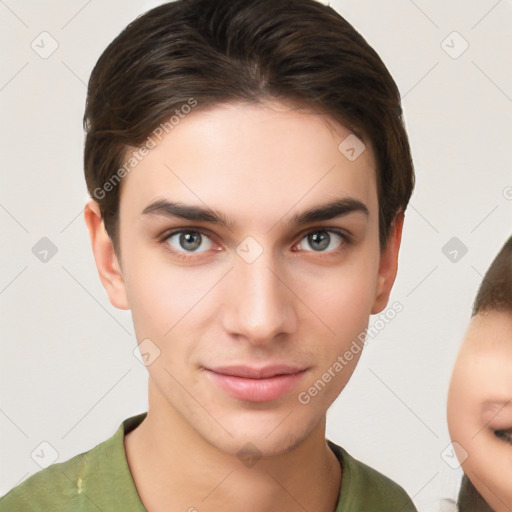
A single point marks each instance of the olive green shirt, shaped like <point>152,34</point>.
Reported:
<point>100,480</point>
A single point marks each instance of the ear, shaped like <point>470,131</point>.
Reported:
<point>388,265</point>
<point>107,264</point>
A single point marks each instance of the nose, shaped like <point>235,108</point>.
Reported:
<point>258,302</point>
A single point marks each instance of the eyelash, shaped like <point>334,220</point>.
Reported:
<point>347,239</point>
<point>504,434</point>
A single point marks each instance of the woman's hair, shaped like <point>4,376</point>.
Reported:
<point>495,293</point>
<point>209,52</point>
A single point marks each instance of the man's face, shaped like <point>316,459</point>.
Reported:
<point>480,407</point>
<point>260,292</point>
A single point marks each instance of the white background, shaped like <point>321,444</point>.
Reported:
<point>67,372</point>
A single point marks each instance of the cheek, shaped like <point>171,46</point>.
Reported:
<point>485,459</point>
<point>346,283</point>
<point>342,297</point>
<point>161,294</point>
<point>489,466</point>
<point>351,292</point>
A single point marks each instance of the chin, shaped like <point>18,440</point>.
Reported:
<point>262,440</point>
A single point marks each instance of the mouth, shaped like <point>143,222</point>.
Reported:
<point>253,384</point>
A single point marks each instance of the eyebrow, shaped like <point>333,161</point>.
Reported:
<point>337,208</point>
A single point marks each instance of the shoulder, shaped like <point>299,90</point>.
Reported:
<point>53,488</point>
<point>366,489</point>
<point>98,479</point>
<point>62,486</point>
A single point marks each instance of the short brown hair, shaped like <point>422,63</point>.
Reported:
<point>495,292</point>
<point>218,51</point>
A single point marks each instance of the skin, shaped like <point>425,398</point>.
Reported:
<point>259,165</point>
<point>480,403</point>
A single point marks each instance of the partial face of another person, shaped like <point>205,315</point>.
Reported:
<point>480,407</point>
<point>263,286</point>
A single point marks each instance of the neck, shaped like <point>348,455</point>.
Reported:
<point>183,471</point>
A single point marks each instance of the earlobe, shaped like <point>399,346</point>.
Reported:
<point>107,263</point>
<point>388,265</point>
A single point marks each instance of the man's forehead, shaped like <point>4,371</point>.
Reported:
<point>192,166</point>
<point>269,129</point>
<point>221,201</point>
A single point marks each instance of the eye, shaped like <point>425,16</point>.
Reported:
<point>183,242</point>
<point>504,435</point>
<point>322,239</point>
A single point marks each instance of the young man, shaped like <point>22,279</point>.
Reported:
<point>480,395</point>
<point>249,170</point>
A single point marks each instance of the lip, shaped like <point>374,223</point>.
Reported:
<point>254,384</point>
